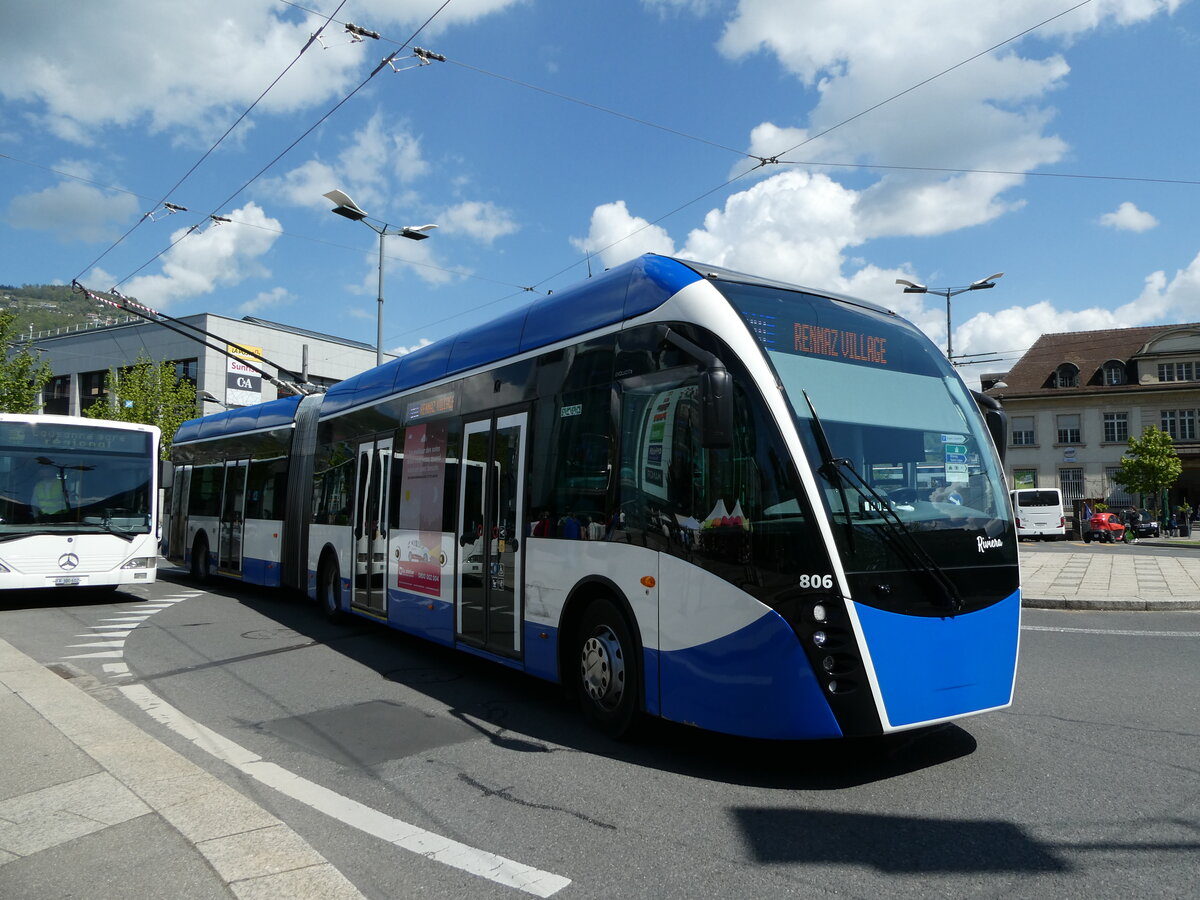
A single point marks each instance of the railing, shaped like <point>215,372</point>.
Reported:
<point>87,326</point>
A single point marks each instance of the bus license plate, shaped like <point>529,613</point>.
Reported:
<point>64,580</point>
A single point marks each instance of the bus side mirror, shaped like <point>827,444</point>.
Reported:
<point>716,406</point>
<point>996,420</point>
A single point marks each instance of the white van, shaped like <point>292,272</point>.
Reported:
<point>1039,513</point>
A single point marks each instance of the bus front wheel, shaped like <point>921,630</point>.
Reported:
<point>609,676</point>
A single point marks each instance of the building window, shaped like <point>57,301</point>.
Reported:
<point>1066,376</point>
<point>187,369</point>
<point>91,389</point>
<point>1022,431</point>
<point>1187,424</point>
<point>1180,424</point>
<point>1116,427</point>
<point>1068,429</point>
<point>1115,495</point>
<point>1180,371</point>
<point>1070,482</point>
<point>1024,478</point>
<point>1114,373</point>
<point>57,396</point>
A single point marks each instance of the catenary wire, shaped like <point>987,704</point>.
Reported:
<point>292,145</point>
<point>219,140</point>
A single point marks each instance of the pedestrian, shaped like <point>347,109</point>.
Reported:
<point>1132,523</point>
<point>1173,525</point>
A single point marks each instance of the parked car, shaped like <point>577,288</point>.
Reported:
<point>1105,527</point>
<point>1147,525</point>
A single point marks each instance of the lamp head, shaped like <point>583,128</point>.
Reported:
<point>345,206</point>
<point>911,287</point>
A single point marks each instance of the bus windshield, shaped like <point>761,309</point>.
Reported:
<point>57,477</point>
<point>890,409</point>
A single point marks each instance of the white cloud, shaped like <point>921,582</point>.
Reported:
<point>203,261</point>
<point>402,351</point>
<point>617,236</point>
<point>373,162</point>
<point>1127,217</point>
<point>190,67</point>
<point>267,300</point>
<point>482,221</point>
<point>991,114</point>
<point>73,212</point>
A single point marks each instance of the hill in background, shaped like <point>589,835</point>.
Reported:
<point>42,308</point>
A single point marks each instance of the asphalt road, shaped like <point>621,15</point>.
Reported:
<point>1088,786</point>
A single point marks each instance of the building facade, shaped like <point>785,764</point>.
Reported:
<point>1074,400</point>
<point>80,359</point>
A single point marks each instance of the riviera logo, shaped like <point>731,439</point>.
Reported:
<point>986,544</point>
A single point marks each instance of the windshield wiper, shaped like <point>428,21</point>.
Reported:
<point>13,535</point>
<point>829,466</point>
<point>899,533</point>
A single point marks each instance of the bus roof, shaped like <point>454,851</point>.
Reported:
<point>272,414</point>
<point>625,291</point>
<point>622,292</point>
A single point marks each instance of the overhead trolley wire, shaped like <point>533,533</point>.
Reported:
<point>292,145</point>
<point>219,140</point>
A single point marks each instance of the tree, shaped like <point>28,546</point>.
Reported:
<point>150,393</point>
<point>22,374</point>
<point>1150,465</point>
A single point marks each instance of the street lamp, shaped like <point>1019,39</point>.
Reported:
<point>351,210</point>
<point>911,287</point>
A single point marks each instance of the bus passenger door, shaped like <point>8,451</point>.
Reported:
<point>492,516</point>
<point>370,526</point>
<point>233,514</point>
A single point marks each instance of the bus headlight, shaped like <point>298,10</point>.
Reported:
<point>819,638</point>
<point>140,562</point>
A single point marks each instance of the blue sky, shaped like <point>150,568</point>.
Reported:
<point>557,131</point>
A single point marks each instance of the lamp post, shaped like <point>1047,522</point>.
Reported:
<point>911,287</point>
<point>349,209</point>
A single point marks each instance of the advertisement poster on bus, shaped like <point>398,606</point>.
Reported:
<point>656,441</point>
<point>420,553</point>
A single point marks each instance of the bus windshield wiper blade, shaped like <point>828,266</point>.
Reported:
<point>829,466</point>
<point>901,537</point>
<point>13,535</point>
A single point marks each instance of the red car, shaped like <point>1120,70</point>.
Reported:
<point>1106,527</point>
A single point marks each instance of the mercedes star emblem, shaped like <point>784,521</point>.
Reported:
<point>68,561</point>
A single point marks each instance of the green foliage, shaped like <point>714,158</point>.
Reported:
<point>1150,465</point>
<point>149,393</point>
<point>22,374</point>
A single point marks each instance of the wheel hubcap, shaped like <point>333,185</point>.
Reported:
<point>602,668</point>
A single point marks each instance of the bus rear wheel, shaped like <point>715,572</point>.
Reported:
<point>609,674</point>
<point>201,569</point>
<point>329,588</point>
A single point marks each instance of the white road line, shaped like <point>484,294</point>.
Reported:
<point>350,812</point>
<point>1113,631</point>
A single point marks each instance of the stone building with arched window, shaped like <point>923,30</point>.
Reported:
<point>1074,399</point>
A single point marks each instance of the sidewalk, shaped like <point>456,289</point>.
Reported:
<point>1110,577</point>
<point>92,806</point>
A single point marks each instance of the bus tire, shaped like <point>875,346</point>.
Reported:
<point>329,587</point>
<point>201,568</point>
<point>608,679</point>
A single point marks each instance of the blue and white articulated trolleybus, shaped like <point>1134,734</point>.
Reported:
<point>679,490</point>
<point>78,502</point>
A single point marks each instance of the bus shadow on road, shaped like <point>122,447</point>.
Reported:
<point>51,598</point>
<point>891,844</point>
<point>522,714</point>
